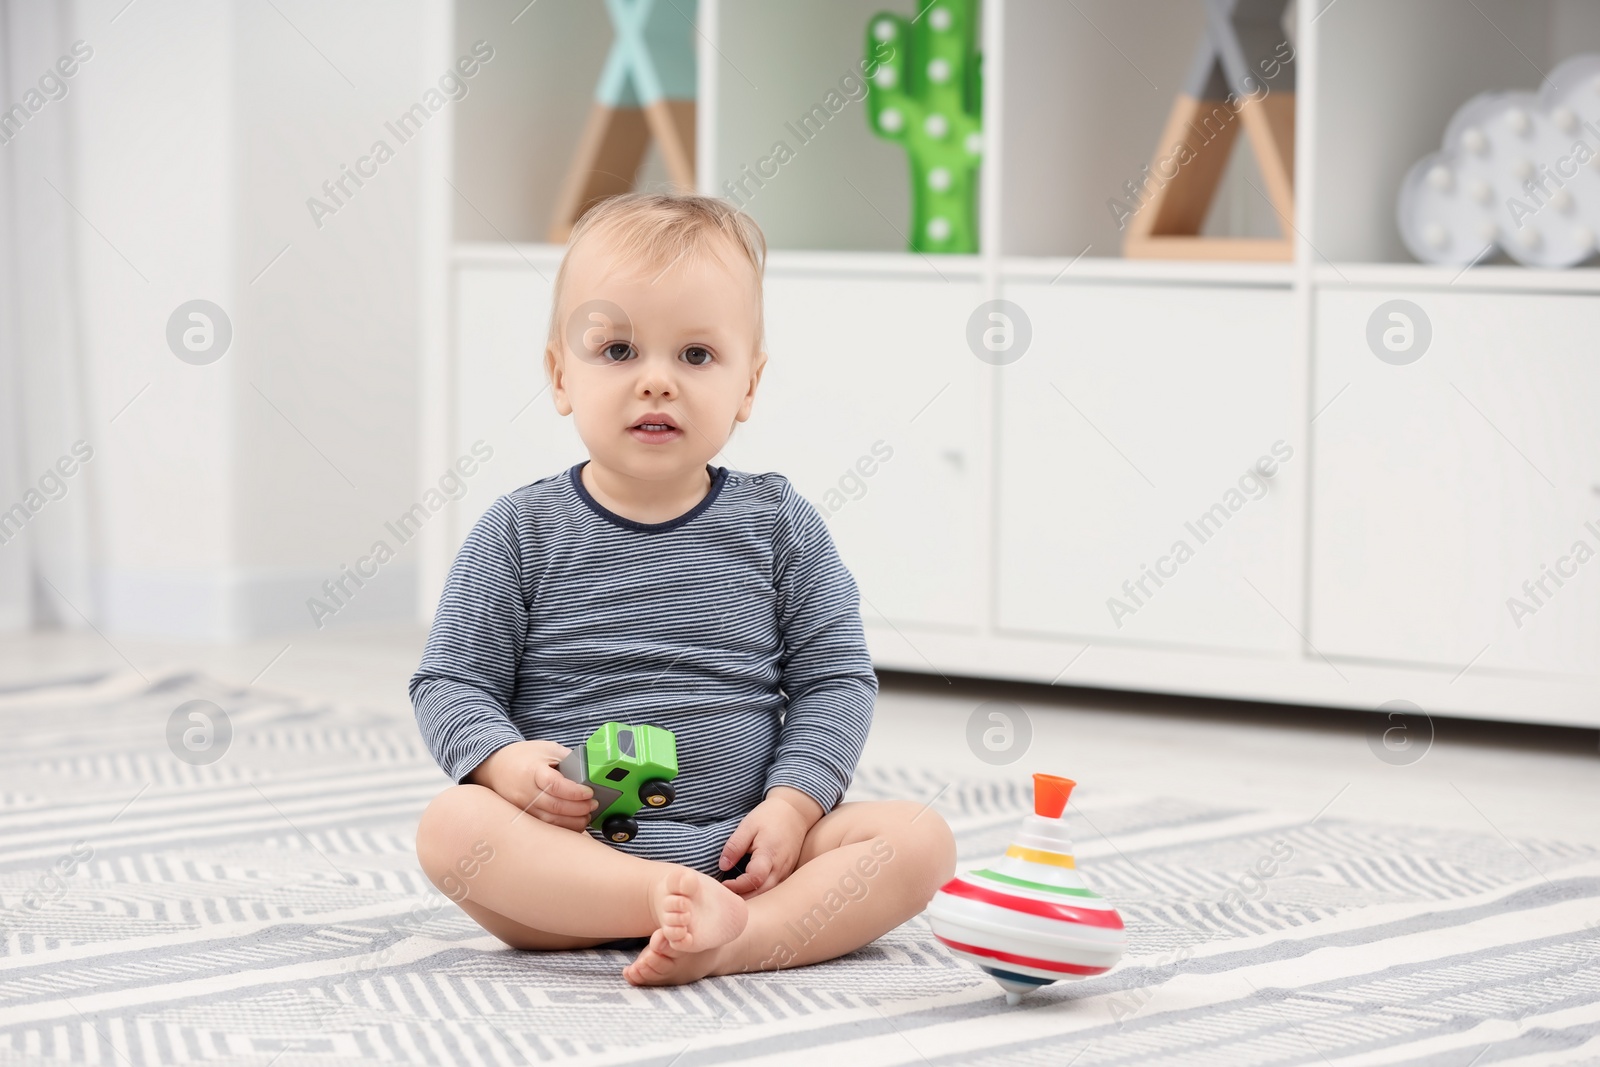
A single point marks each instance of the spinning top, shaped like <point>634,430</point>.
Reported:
<point>1029,919</point>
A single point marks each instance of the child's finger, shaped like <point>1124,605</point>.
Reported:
<point>759,868</point>
<point>555,805</point>
<point>558,786</point>
<point>741,884</point>
<point>749,881</point>
<point>568,811</point>
<point>566,822</point>
<point>737,846</point>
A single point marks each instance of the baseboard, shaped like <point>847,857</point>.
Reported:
<point>1287,679</point>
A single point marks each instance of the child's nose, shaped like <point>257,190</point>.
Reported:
<point>656,380</point>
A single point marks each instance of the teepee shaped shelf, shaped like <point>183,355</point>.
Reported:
<point>1239,75</point>
<point>647,89</point>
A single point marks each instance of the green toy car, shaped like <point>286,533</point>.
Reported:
<point>628,767</point>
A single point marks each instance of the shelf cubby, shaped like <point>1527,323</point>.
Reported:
<point>1087,91</point>
<point>518,127</point>
<point>1391,76</point>
<point>843,188</point>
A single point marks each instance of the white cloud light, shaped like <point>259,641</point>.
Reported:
<point>1519,171</point>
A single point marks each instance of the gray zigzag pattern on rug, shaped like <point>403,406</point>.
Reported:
<point>270,903</point>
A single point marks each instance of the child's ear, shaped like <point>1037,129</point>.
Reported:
<point>755,380</point>
<point>755,371</point>
<point>558,390</point>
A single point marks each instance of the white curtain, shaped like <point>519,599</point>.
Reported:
<point>45,548</point>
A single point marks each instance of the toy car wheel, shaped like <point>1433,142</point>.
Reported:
<point>620,828</point>
<point>657,794</point>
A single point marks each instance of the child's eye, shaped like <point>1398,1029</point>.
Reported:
<point>697,356</point>
<point>612,354</point>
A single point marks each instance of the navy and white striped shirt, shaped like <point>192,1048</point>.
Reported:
<point>559,615</point>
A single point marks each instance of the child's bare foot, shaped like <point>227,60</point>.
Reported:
<point>695,912</point>
<point>661,964</point>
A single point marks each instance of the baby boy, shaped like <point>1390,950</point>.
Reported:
<point>644,585</point>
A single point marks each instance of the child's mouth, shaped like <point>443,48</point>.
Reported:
<point>654,433</point>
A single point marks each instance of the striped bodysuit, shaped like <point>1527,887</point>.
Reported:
<point>735,625</point>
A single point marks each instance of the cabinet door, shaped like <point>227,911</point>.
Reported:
<point>1442,485</point>
<point>869,406</point>
<point>1129,430</point>
<point>501,314</point>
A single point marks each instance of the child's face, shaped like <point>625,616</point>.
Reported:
<point>686,348</point>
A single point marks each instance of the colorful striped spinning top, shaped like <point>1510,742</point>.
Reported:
<point>1029,919</point>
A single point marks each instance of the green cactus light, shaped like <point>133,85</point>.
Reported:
<point>928,95</point>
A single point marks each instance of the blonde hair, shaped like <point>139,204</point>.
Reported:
<point>660,230</point>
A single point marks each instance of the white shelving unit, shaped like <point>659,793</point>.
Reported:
<point>1377,560</point>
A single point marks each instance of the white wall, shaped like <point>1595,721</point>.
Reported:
<point>228,493</point>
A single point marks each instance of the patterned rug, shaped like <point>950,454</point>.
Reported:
<point>248,892</point>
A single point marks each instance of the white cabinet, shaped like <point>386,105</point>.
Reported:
<point>1418,517</point>
<point>1442,485</point>
<point>1128,506</point>
<point>869,405</point>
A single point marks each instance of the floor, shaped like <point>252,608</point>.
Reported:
<point>1515,780</point>
<point>1443,911</point>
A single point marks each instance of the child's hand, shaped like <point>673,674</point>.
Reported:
<point>772,833</point>
<point>524,772</point>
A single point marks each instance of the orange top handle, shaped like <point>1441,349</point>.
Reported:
<point>1050,794</point>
